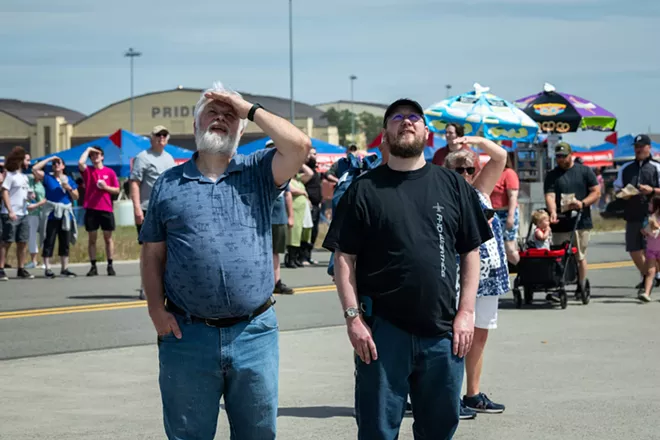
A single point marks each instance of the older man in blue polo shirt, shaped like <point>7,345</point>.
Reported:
<point>208,272</point>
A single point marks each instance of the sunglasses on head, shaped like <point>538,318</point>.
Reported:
<point>469,170</point>
<point>413,117</point>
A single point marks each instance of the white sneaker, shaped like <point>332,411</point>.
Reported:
<point>643,297</point>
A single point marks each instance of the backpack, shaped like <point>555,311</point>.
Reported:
<point>354,170</point>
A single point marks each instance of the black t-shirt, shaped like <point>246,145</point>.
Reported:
<point>405,229</point>
<point>575,180</point>
<point>314,191</point>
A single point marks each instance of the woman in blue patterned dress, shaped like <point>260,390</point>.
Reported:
<point>494,280</point>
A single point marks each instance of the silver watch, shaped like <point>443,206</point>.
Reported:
<point>351,312</point>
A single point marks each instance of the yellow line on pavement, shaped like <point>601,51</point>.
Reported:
<point>137,304</point>
<point>612,265</point>
<point>314,289</point>
<point>76,309</point>
<point>73,308</point>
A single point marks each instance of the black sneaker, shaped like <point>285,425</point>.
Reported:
<point>7,266</point>
<point>481,403</point>
<point>24,274</point>
<point>111,271</point>
<point>282,288</point>
<point>467,413</point>
<point>408,409</point>
<point>578,292</point>
<point>67,274</point>
<point>93,272</point>
<point>3,275</point>
<point>49,274</point>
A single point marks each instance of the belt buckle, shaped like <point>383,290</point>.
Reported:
<point>206,321</point>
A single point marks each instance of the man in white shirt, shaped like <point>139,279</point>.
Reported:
<point>14,213</point>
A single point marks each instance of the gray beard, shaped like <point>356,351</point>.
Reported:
<point>405,150</point>
<point>210,142</point>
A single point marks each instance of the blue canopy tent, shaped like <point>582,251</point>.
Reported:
<point>625,150</point>
<point>321,147</point>
<point>592,149</point>
<point>119,159</point>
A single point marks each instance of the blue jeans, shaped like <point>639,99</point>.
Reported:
<point>240,363</point>
<point>425,368</point>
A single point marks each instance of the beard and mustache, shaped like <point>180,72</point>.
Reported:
<point>214,143</point>
<point>404,148</point>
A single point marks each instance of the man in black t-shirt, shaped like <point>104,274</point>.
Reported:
<point>314,191</point>
<point>396,234</point>
<point>571,177</point>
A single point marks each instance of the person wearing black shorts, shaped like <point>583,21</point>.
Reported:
<point>643,173</point>
<point>101,184</point>
<point>95,220</point>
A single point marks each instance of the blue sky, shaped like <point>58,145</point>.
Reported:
<point>69,52</point>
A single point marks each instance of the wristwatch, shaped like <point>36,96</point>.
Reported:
<point>351,312</point>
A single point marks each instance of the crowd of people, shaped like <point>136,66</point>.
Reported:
<point>38,210</point>
<point>421,255</point>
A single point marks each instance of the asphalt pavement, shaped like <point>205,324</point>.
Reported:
<point>80,361</point>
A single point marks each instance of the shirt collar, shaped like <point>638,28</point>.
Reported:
<point>191,172</point>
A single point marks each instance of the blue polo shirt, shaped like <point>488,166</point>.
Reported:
<point>218,235</point>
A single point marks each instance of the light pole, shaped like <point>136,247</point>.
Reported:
<point>132,54</point>
<point>448,87</point>
<point>352,78</point>
<point>293,106</point>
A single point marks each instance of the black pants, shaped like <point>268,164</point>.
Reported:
<point>308,247</point>
<point>54,231</point>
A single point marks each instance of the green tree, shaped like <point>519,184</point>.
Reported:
<point>341,120</point>
<point>371,125</point>
<point>365,122</point>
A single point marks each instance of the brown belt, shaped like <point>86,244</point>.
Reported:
<point>220,322</point>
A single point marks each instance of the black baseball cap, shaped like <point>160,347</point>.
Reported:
<point>642,139</point>
<point>400,103</point>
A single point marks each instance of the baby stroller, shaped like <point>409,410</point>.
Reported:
<point>549,271</point>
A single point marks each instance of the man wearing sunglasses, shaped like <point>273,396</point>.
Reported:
<point>571,177</point>
<point>147,167</point>
<point>399,229</point>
